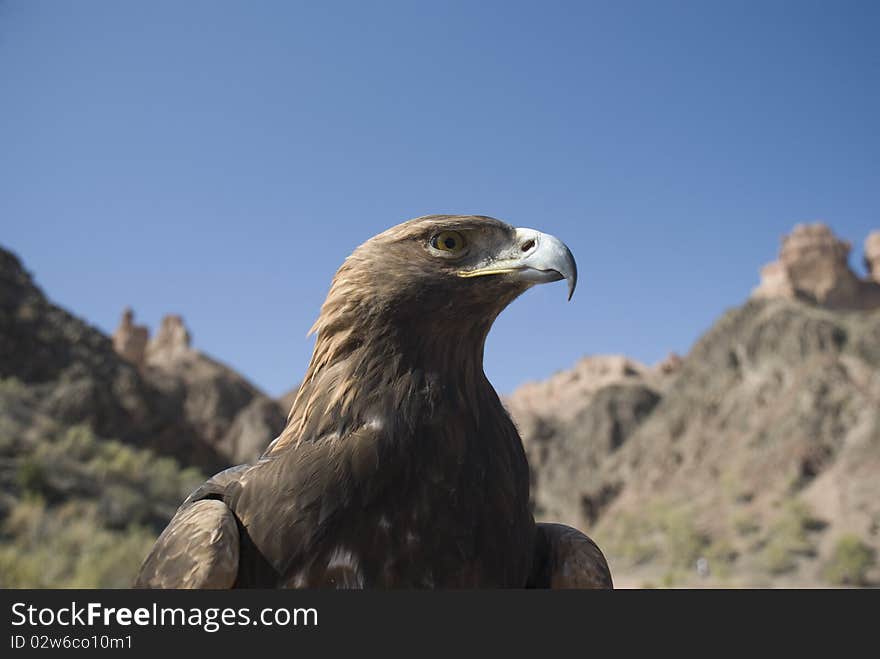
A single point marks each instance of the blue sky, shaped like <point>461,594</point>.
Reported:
<point>220,159</point>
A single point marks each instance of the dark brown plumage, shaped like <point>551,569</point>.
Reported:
<point>398,467</point>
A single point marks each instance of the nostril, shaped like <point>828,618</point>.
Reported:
<point>527,245</point>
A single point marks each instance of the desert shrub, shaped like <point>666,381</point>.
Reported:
<point>111,560</point>
<point>78,443</point>
<point>721,554</point>
<point>684,542</point>
<point>671,578</point>
<point>120,506</point>
<point>30,477</point>
<point>12,386</point>
<point>661,531</point>
<point>96,466</point>
<point>777,559</point>
<point>84,511</point>
<point>66,546</point>
<point>849,563</point>
<point>746,523</point>
<point>630,539</point>
<point>788,538</point>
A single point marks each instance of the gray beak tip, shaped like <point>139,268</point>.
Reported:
<point>572,274</point>
<point>550,259</point>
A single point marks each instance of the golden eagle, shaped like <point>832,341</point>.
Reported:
<point>398,467</point>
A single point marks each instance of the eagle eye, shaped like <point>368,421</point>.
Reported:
<point>451,242</point>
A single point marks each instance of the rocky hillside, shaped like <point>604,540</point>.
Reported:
<point>221,409</point>
<point>97,447</point>
<point>170,398</point>
<point>753,461</point>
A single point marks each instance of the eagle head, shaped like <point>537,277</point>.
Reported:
<point>442,273</point>
<point>407,317</point>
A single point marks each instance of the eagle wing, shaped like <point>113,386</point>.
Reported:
<point>200,547</point>
<point>566,558</point>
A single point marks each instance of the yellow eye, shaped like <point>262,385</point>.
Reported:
<point>448,241</point>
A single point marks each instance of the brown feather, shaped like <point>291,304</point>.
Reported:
<point>198,549</point>
<point>565,558</point>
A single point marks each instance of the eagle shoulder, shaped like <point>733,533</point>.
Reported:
<point>566,558</point>
<point>198,549</point>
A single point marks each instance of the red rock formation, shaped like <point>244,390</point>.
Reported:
<point>872,255</point>
<point>130,340</point>
<point>671,364</point>
<point>230,416</point>
<point>559,394</point>
<point>171,343</point>
<point>813,267</point>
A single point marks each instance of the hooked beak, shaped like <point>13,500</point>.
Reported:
<point>535,257</point>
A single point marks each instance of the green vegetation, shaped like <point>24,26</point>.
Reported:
<point>630,539</point>
<point>788,538</point>
<point>672,578</point>
<point>746,523</point>
<point>12,386</point>
<point>661,531</point>
<point>68,546</point>
<point>684,543</point>
<point>850,562</point>
<point>84,511</point>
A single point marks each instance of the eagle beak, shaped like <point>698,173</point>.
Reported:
<point>535,257</point>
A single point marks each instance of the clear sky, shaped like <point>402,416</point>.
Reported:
<point>220,159</point>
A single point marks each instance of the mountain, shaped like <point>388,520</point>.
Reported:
<point>219,409</point>
<point>752,461</point>
<point>97,450</point>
